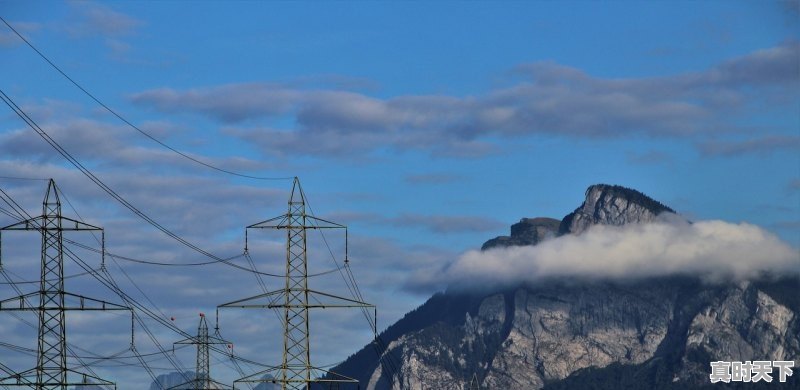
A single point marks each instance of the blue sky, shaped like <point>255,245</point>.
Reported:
<point>427,127</point>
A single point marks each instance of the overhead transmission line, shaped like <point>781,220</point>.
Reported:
<point>107,280</point>
<point>216,259</point>
<point>104,277</point>
<point>129,123</point>
<point>23,178</point>
<point>147,298</point>
<point>86,172</point>
<point>349,278</point>
<point>385,359</point>
<point>129,300</point>
<point>22,215</point>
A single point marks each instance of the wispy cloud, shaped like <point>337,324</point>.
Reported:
<point>113,144</point>
<point>713,250</point>
<point>794,185</point>
<point>440,224</point>
<point>792,7</point>
<point>432,178</point>
<point>555,99</point>
<point>9,39</point>
<point>649,157</point>
<point>763,145</point>
<point>90,20</point>
<point>787,225</point>
<point>444,224</point>
<point>96,19</point>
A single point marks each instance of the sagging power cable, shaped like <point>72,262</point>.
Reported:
<point>127,122</point>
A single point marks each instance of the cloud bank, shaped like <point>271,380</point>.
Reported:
<point>763,146</point>
<point>551,99</point>
<point>714,250</point>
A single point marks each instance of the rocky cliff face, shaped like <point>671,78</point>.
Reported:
<point>178,381</point>
<point>558,331</point>
<point>528,231</point>
<point>658,333</point>
<point>165,381</point>
<point>611,205</point>
<point>558,334</point>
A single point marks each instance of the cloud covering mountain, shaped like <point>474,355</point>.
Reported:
<point>712,249</point>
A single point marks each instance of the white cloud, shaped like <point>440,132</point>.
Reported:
<point>553,99</point>
<point>444,224</point>
<point>93,19</point>
<point>763,145</point>
<point>713,250</point>
<point>9,39</point>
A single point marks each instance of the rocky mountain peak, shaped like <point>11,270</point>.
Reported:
<point>604,205</point>
<point>656,333</point>
<point>528,231</point>
<point>611,205</point>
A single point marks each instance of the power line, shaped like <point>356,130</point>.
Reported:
<point>33,125</point>
<point>110,283</point>
<point>128,298</point>
<point>106,279</point>
<point>51,367</point>
<point>127,122</point>
<point>39,281</point>
<point>22,178</point>
<point>380,347</point>
<point>296,371</point>
<point>226,261</point>
<point>68,253</point>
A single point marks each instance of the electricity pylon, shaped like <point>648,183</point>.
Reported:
<point>474,384</point>
<point>202,379</point>
<point>296,371</point>
<point>51,372</point>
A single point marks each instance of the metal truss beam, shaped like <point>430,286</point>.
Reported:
<point>51,372</point>
<point>295,299</point>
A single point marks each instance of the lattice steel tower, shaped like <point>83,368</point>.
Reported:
<point>51,370</point>
<point>474,384</point>
<point>202,379</point>
<point>296,371</point>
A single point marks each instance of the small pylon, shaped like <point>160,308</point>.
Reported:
<point>296,371</point>
<point>51,372</point>
<point>474,384</point>
<point>202,379</point>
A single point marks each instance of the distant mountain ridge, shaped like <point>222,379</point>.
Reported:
<point>165,381</point>
<point>528,231</point>
<point>173,379</point>
<point>604,205</point>
<point>611,205</point>
<point>656,333</point>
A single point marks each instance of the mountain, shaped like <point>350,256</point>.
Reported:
<point>90,385</point>
<point>166,381</point>
<point>612,205</point>
<point>654,333</point>
<point>266,385</point>
<point>528,231</point>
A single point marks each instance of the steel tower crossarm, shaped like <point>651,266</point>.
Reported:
<point>202,380</point>
<point>51,372</point>
<point>295,299</point>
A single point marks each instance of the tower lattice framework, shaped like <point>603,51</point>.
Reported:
<point>474,384</point>
<point>51,371</point>
<point>202,379</point>
<point>296,371</point>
